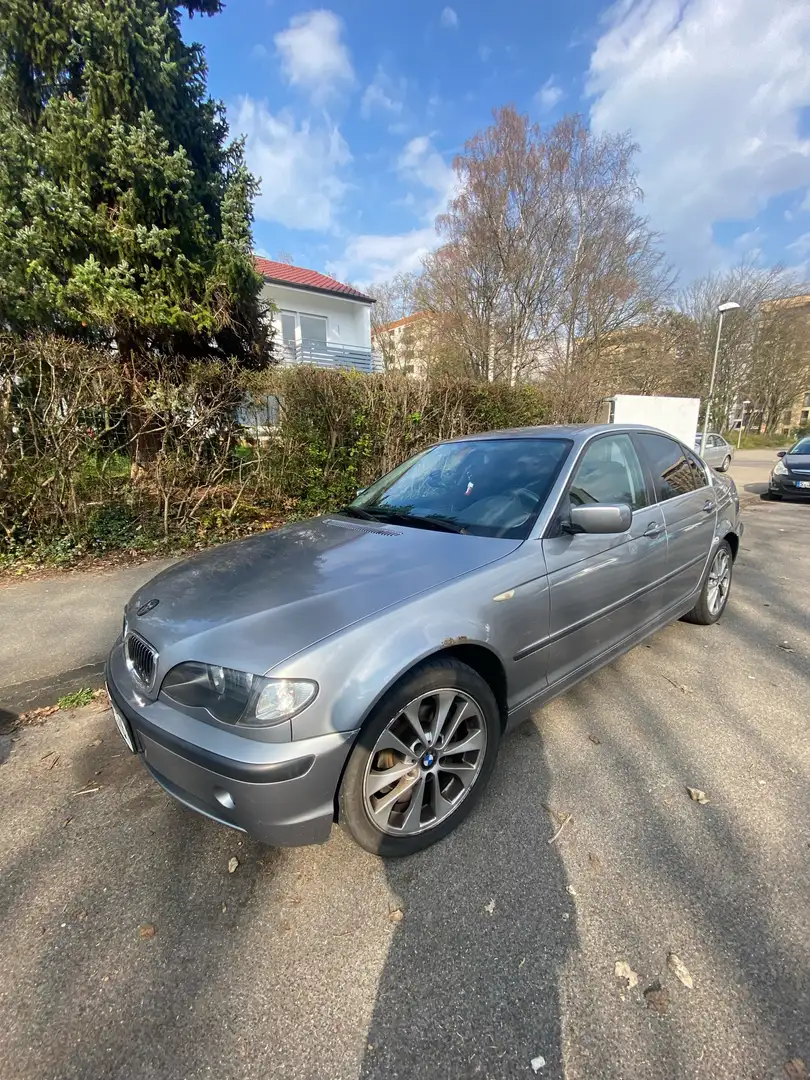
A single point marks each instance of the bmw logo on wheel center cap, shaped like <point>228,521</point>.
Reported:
<point>428,760</point>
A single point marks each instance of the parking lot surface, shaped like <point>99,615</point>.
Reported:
<point>130,951</point>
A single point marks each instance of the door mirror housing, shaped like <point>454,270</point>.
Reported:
<point>600,518</point>
<point>781,453</point>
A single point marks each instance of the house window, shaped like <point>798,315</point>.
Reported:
<point>807,401</point>
<point>288,327</point>
<point>313,329</point>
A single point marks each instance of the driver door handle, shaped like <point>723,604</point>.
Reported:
<point>653,530</point>
<point>708,506</point>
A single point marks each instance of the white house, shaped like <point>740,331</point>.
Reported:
<point>318,320</point>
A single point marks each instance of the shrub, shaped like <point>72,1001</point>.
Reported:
<point>66,482</point>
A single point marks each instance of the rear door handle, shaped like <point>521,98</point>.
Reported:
<point>708,506</point>
<point>653,530</point>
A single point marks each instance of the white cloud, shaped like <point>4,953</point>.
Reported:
<point>300,166</point>
<point>549,95</point>
<point>375,257</point>
<point>484,53</point>
<point>313,56</point>
<point>806,202</point>
<point>712,92</point>
<point>421,163</point>
<point>383,94</point>
<point>449,19</point>
<point>369,259</point>
<point>801,246</point>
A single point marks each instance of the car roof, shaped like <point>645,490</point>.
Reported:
<point>577,432</point>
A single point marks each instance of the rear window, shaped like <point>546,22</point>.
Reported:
<point>675,471</point>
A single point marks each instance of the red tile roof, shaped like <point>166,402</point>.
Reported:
<point>300,278</point>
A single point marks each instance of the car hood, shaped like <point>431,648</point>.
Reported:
<point>797,462</point>
<point>253,603</point>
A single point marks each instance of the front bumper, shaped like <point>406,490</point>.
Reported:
<point>786,485</point>
<point>281,793</point>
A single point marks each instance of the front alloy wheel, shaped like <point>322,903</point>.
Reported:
<point>421,760</point>
<point>425,762</point>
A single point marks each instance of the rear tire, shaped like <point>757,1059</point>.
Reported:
<point>726,464</point>
<point>449,705</point>
<point>715,590</point>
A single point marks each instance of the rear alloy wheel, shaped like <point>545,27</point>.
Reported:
<point>716,588</point>
<point>726,463</point>
<point>422,760</point>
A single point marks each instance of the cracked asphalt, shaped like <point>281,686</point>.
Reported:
<point>129,951</point>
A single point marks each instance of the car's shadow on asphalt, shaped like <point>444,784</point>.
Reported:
<point>470,982</point>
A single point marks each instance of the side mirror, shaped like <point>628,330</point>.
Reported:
<point>600,518</point>
<point>781,453</point>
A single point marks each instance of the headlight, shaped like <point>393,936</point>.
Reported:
<point>779,469</point>
<point>237,697</point>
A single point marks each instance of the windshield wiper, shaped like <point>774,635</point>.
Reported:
<point>440,524</point>
<point>355,511</point>
<point>382,514</point>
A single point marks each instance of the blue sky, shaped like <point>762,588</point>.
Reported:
<point>354,111</point>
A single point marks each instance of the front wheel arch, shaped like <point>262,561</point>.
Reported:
<point>484,661</point>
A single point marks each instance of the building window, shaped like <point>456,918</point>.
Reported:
<point>807,401</point>
<point>310,330</point>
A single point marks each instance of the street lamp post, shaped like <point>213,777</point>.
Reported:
<point>730,305</point>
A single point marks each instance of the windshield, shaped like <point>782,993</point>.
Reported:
<point>489,487</point>
<point>801,447</point>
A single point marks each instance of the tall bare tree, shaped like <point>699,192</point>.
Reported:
<point>762,344</point>
<point>545,253</point>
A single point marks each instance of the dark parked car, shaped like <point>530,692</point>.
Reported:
<point>791,473</point>
<point>364,666</point>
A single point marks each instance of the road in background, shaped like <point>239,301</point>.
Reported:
<point>129,951</point>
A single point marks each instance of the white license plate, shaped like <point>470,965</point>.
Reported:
<point>122,725</point>
<point>803,483</point>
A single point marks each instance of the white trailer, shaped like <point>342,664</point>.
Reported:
<point>676,415</point>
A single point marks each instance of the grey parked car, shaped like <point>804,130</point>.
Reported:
<point>363,666</point>
<point>717,452</point>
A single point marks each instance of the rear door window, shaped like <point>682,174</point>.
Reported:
<point>675,471</point>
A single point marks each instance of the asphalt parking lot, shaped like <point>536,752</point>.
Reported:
<point>129,950</point>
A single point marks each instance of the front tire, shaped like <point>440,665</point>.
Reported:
<point>422,759</point>
<point>726,464</point>
<point>715,590</point>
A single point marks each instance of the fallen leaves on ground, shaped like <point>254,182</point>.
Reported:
<point>785,647</point>
<point>233,864</point>
<point>538,1063</point>
<point>396,915</point>
<point>622,970</point>
<point>680,971</point>
<point>696,795</point>
<point>657,998</point>
<point>595,741</point>
<point>147,930</point>
<point>795,1069</point>
<point>490,907</point>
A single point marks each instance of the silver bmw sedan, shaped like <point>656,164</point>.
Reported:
<point>363,667</point>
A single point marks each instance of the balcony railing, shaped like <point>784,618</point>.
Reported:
<point>330,354</point>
